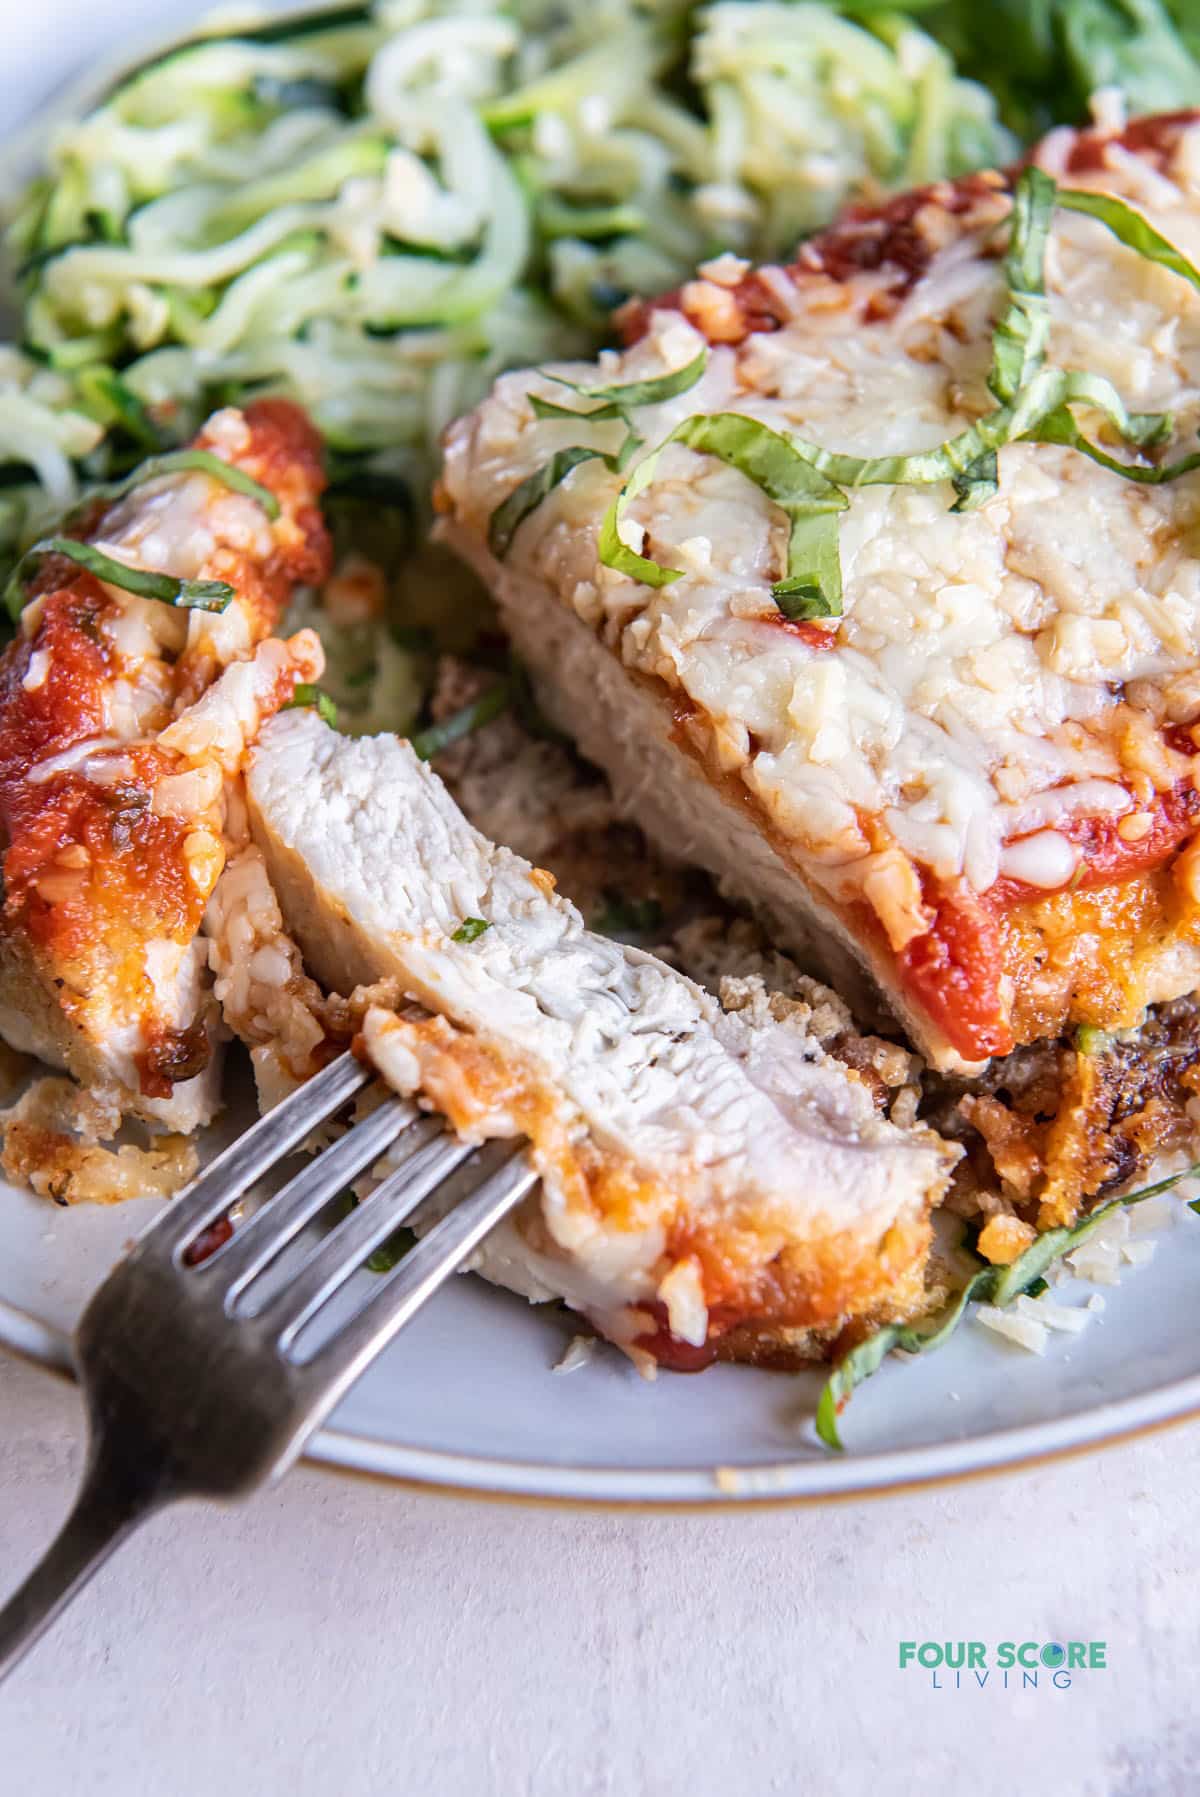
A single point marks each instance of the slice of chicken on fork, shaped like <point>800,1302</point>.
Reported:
<point>712,1181</point>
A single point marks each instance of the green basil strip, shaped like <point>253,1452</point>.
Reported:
<point>625,397</point>
<point>311,698</point>
<point>779,467</point>
<point>976,484</point>
<point>807,480</point>
<point>190,461</point>
<point>512,512</point>
<point>470,929</point>
<point>959,458</point>
<point>489,705</point>
<point>1000,1285</point>
<point>1130,228</point>
<point>546,408</point>
<point>1143,429</point>
<point>1021,337</point>
<point>190,595</point>
<point>869,1356</point>
<point>1060,427</point>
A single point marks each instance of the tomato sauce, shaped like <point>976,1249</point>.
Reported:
<point>677,1356</point>
<point>92,872</point>
<point>1106,857</point>
<point>816,635</point>
<point>861,240</point>
<point>68,706</point>
<point>954,974</point>
<point>1152,138</point>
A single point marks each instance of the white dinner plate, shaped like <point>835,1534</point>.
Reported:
<point>467,1398</point>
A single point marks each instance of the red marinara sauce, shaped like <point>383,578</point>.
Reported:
<point>677,1356</point>
<point>1106,857</point>
<point>816,635</point>
<point>954,972</point>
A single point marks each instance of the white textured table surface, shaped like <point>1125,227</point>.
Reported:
<point>343,1637</point>
<point>340,1636</point>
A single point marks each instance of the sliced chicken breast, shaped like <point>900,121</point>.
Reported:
<point>978,784</point>
<point>123,720</point>
<point>708,1176</point>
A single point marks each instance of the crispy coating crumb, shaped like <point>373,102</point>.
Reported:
<point>50,1144</point>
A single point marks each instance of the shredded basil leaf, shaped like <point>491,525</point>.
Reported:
<point>614,402</point>
<point>548,408</point>
<point>1130,228</point>
<point>481,711</point>
<point>812,586</point>
<point>196,595</point>
<point>617,401</point>
<point>190,595</point>
<point>189,461</point>
<point>997,1285</point>
<point>976,484</point>
<point>1020,339</point>
<point>808,482</point>
<point>311,698</point>
<point>512,512</point>
<point>470,929</point>
<point>1060,427</point>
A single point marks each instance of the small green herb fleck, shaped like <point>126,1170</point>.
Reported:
<point>392,1252</point>
<point>428,743</point>
<point>311,698</point>
<point>620,916</point>
<point>470,929</point>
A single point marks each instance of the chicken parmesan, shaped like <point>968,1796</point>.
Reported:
<point>712,1180</point>
<point>873,583</point>
<point>142,665</point>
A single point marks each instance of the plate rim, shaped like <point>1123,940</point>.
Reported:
<point>777,1483</point>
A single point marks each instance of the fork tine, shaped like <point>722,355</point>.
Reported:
<point>268,1230</point>
<point>273,1136</point>
<point>400,1293</point>
<point>330,1265</point>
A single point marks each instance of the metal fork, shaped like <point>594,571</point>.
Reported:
<point>192,1390</point>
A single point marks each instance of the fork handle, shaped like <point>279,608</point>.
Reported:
<point>112,1500</point>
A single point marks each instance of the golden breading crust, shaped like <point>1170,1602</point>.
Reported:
<point>111,817</point>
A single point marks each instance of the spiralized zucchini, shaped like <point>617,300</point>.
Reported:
<point>378,208</point>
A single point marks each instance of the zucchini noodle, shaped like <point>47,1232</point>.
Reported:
<point>376,209</point>
<point>315,205</point>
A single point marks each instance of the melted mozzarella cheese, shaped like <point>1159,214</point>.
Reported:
<point>994,670</point>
